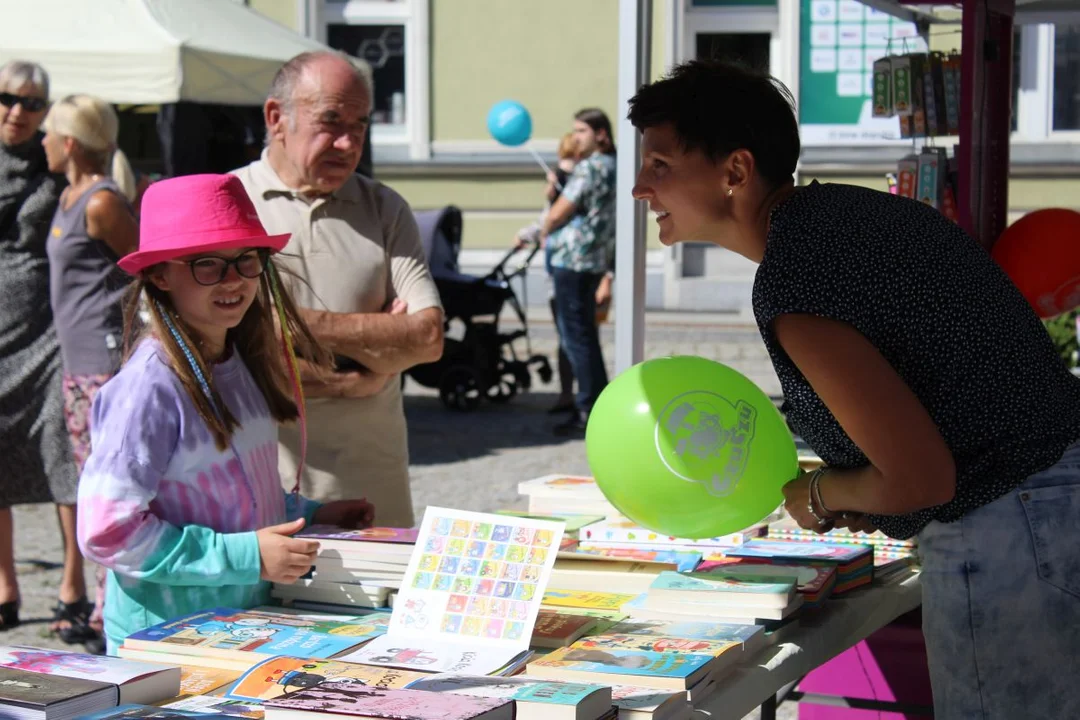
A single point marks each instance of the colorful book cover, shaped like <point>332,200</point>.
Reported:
<point>713,632</point>
<point>360,700</point>
<point>586,600</point>
<point>283,675</point>
<point>643,699</point>
<point>203,704</point>
<point>811,579</point>
<point>471,592</point>
<point>621,530</point>
<point>203,680</point>
<point>558,629</point>
<point>83,666</point>
<point>229,630</point>
<point>573,522</point>
<point>623,662</point>
<point>34,692</point>
<point>684,561</point>
<point>789,550</point>
<point>657,644</point>
<point>154,713</point>
<point>572,486</point>
<point>394,536</point>
<point>725,582</point>
<point>518,688</point>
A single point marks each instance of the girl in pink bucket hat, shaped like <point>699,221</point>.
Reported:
<point>181,497</point>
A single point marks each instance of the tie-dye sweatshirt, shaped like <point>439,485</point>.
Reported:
<point>171,516</point>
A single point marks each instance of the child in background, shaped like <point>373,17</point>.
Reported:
<point>181,497</point>
<point>530,235</point>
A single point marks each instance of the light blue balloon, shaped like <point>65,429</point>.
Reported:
<point>508,122</point>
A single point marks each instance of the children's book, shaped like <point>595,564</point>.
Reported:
<point>731,588</point>
<point>471,594</point>
<point>799,551</point>
<point>713,632</point>
<point>639,609</point>
<point>586,600</point>
<point>657,644</point>
<point>554,630</point>
<point>279,676</point>
<point>815,582</point>
<point>354,699</point>
<point>682,560</point>
<point>640,703</point>
<point>573,521</point>
<point>234,634</point>
<point>135,682</point>
<point>623,531</point>
<point>197,680</point>
<point>203,704</point>
<point>610,666</point>
<point>33,695</point>
<point>378,540</point>
<point>603,574</point>
<point>535,699</point>
<point>154,713</point>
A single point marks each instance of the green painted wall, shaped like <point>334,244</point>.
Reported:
<point>555,57</point>
<point>283,12</point>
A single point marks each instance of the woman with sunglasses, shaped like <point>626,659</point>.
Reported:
<point>94,226</point>
<point>33,439</point>
<point>181,497</point>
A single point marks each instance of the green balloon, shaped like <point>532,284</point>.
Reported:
<point>690,448</point>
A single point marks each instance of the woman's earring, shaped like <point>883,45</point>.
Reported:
<point>730,192</point>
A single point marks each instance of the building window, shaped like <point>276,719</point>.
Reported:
<point>392,37</point>
<point>1066,77</point>
<point>383,47</point>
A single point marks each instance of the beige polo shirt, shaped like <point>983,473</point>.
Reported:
<point>354,252</point>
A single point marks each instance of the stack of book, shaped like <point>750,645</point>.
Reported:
<point>625,534</point>
<point>814,583</point>
<point>572,524</point>
<point>854,563</point>
<point>724,597</point>
<point>48,684</point>
<point>353,568</point>
<point>233,639</point>
<point>561,494</point>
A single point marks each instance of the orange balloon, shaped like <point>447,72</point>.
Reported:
<point>1040,253</point>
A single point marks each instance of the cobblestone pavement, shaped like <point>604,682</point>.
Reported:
<point>472,460</point>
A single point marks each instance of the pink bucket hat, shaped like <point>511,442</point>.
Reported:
<point>197,213</point>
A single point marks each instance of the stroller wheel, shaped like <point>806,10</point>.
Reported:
<point>504,390</point>
<point>459,389</point>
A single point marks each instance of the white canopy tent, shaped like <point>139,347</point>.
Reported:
<point>150,51</point>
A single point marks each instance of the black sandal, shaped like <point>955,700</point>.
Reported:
<point>77,616</point>
<point>9,615</point>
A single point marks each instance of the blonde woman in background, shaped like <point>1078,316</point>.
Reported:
<point>94,226</point>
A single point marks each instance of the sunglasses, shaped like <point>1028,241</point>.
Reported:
<point>30,104</point>
<point>212,270</point>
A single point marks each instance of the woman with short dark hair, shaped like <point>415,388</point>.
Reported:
<point>912,366</point>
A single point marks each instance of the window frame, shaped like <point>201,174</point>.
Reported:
<point>414,15</point>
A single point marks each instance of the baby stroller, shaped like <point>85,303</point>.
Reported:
<point>484,361</point>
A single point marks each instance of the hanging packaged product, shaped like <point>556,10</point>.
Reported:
<point>883,81</point>
<point>951,81</point>
<point>906,176</point>
<point>931,181</point>
<point>948,198</point>
<point>918,95</point>
<point>934,94</point>
<point>901,85</point>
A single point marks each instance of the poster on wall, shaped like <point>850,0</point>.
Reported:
<point>840,40</point>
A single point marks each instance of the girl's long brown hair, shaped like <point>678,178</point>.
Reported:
<point>256,339</point>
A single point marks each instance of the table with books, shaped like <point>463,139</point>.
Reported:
<point>563,611</point>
